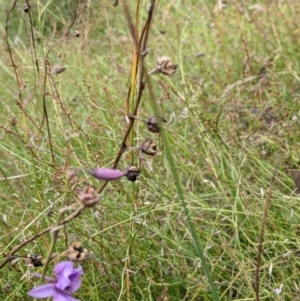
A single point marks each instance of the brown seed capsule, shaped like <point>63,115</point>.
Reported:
<point>149,147</point>
<point>26,8</point>
<point>77,33</point>
<point>14,121</point>
<point>132,173</point>
<point>34,260</point>
<point>154,124</point>
<point>76,252</point>
<point>164,66</point>
<point>88,197</point>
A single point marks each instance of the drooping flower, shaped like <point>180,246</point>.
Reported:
<point>67,282</point>
<point>107,174</point>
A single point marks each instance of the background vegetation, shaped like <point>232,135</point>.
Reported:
<point>232,112</point>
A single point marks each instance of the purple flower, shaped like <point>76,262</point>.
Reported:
<point>67,282</point>
<point>107,174</point>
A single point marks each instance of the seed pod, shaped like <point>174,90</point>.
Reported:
<point>88,197</point>
<point>149,147</point>
<point>26,8</point>
<point>77,33</point>
<point>164,66</point>
<point>76,252</point>
<point>14,121</point>
<point>154,124</point>
<point>34,260</point>
<point>132,173</point>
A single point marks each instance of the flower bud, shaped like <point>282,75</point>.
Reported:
<point>107,174</point>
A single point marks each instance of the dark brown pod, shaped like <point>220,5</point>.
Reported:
<point>77,33</point>
<point>132,173</point>
<point>149,147</point>
<point>26,8</point>
<point>154,124</point>
<point>34,260</point>
<point>164,66</point>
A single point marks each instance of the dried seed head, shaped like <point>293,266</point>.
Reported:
<point>76,252</point>
<point>14,121</point>
<point>26,8</point>
<point>149,147</point>
<point>165,66</point>
<point>132,173</point>
<point>154,124</point>
<point>77,33</point>
<point>50,213</point>
<point>34,260</point>
<point>88,197</point>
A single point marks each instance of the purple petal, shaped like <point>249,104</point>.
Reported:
<point>60,296</point>
<point>75,280</point>
<point>70,284</point>
<point>68,278</point>
<point>64,267</point>
<point>43,291</point>
<point>48,279</point>
<point>107,174</point>
<point>63,271</point>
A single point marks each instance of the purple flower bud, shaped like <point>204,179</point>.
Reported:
<point>107,174</point>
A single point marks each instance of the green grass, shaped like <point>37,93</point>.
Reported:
<point>228,131</point>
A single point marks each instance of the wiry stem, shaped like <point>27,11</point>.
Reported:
<point>17,74</point>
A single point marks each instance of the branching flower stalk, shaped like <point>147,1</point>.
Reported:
<point>16,71</point>
<point>140,45</point>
